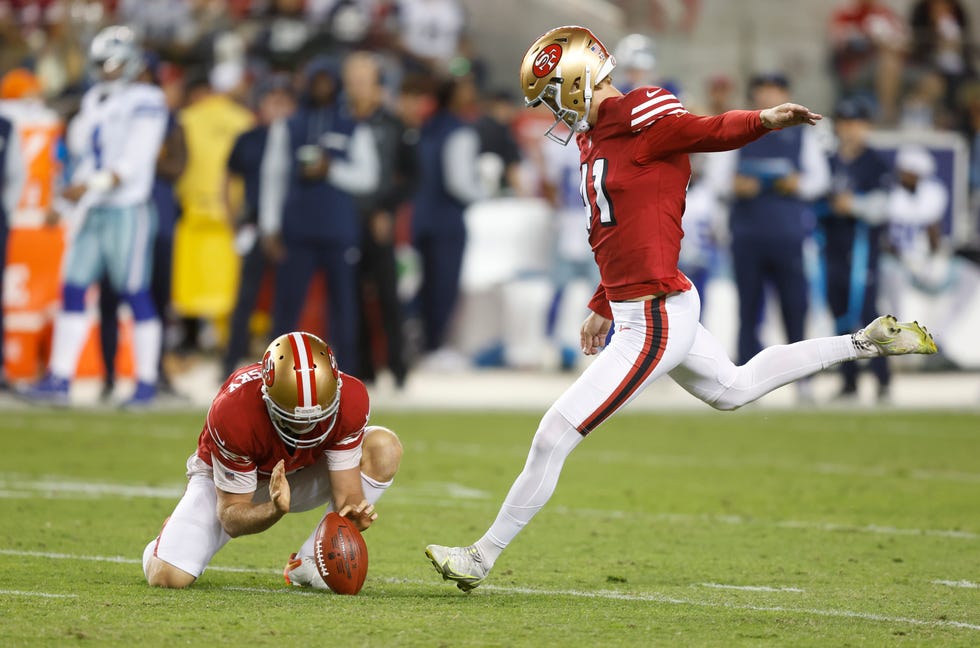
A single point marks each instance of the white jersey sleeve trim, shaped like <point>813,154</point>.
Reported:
<point>661,105</point>
<point>233,481</point>
<point>344,459</point>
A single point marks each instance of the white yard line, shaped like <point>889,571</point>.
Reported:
<point>786,524</point>
<point>292,591</point>
<point>598,594</point>
<point>660,598</point>
<point>723,463</point>
<point>122,560</point>
<point>13,486</point>
<point>965,584</point>
<point>441,494</point>
<point>752,588</point>
<point>6,592</point>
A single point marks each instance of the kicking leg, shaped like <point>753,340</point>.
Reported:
<point>710,375</point>
<point>652,338</point>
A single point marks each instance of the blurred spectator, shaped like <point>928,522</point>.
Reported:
<point>500,157</point>
<point>163,25</point>
<point>116,138</point>
<point>205,263</point>
<point>852,229</point>
<point>573,268</point>
<point>924,106</point>
<point>170,165</point>
<point>635,62</point>
<point>721,92</point>
<point>379,275</point>
<point>180,30</point>
<point>10,188</point>
<point>448,150</point>
<point>916,205</point>
<point>431,33</point>
<point>314,165</point>
<point>22,103</point>
<point>868,42</point>
<point>971,103</point>
<point>661,17</point>
<point>30,151</point>
<point>15,48</point>
<point>704,219</point>
<point>288,37</point>
<point>59,43</point>
<point>275,102</point>
<point>775,178</point>
<point>350,24</point>
<point>941,42</point>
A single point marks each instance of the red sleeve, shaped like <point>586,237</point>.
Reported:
<point>687,133</point>
<point>355,410</point>
<point>224,437</point>
<point>599,304</point>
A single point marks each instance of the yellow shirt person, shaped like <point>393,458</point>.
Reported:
<point>205,262</point>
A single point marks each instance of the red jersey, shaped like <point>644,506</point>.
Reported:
<point>635,172</point>
<point>239,442</point>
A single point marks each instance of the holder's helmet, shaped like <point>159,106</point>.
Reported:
<point>301,388</point>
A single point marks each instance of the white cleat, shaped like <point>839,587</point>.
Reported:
<point>886,336</point>
<point>301,572</point>
<point>461,564</point>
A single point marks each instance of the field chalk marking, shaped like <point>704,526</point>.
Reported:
<point>965,584</point>
<point>6,592</point>
<point>598,594</point>
<point>752,588</point>
<point>449,494</point>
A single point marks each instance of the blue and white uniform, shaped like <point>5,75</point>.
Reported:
<point>118,132</point>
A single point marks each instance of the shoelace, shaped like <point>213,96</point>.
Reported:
<point>862,342</point>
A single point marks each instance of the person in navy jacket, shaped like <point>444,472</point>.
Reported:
<point>314,165</point>
<point>851,229</point>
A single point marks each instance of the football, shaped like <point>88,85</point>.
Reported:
<point>340,554</point>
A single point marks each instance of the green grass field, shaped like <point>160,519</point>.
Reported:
<point>755,528</point>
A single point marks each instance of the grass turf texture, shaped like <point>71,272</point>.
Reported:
<point>863,512</point>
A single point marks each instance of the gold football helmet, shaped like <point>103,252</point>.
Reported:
<point>300,387</point>
<point>560,70</point>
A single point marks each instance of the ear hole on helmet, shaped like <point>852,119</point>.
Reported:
<point>577,84</point>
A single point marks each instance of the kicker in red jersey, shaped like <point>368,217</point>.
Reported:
<point>239,436</point>
<point>635,173</point>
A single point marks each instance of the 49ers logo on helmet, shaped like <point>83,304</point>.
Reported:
<point>546,60</point>
<point>268,369</point>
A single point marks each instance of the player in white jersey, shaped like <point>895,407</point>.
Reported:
<point>914,251</point>
<point>114,140</point>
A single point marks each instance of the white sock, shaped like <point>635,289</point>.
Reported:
<point>147,554</point>
<point>373,490</point>
<point>780,365</point>
<point>553,442</point>
<point>146,340</point>
<point>71,330</point>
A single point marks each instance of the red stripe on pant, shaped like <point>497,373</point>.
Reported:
<point>654,344</point>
